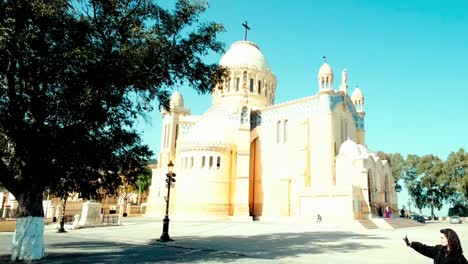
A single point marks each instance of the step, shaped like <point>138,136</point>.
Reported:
<point>369,224</point>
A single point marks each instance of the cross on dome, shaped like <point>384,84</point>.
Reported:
<point>246,27</point>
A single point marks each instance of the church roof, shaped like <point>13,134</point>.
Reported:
<point>177,100</point>
<point>325,70</point>
<point>215,129</point>
<point>244,54</point>
<point>357,95</point>
<point>350,148</point>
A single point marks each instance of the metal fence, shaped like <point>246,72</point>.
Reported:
<point>110,219</point>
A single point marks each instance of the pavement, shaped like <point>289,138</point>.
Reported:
<point>236,241</point>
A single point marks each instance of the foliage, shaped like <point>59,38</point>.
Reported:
<point>73,78</point>
<point>460,209</point>
<point>431,181</point>
<point>413,181</point>
<point>143,181</point>
<point>456,168</point>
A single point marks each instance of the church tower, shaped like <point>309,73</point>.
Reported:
<point>358,100</point>
<point>325,78</point>
<point>171,129</point>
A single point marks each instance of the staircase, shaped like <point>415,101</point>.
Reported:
<point>366,223</point>
<point>402,222</point>
<point>391,223</point>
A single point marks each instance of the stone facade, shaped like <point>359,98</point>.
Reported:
<point>248,157</point>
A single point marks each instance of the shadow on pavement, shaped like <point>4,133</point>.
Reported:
<point>203,249</point>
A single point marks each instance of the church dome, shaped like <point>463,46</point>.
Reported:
<point>177,100</point>
<point>363,149</point>
<point>350,148</point>
<point>244,54</point>
<point>215,129</point>
<point>325,70</point>
<point>357,95</point>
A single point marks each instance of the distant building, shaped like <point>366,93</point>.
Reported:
<point>246,156</point>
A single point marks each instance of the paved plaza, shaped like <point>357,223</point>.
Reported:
<point>236,241</point>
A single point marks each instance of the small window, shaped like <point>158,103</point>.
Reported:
<point>251,85</point>
<point>259,87</point>
<point>237,83</point>
<point>218,162</point>
<point>191,162</point>
<point>211,161</point>
<point>278,131</point>
<point>285,131</point>
<point>203,162</point>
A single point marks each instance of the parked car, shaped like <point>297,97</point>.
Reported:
<point>455,219</point>
<point>418,218</point>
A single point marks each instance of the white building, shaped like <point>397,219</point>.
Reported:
<point>246,156</point>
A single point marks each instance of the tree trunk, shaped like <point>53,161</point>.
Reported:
<point>432,210</point>
<point>28,240</point>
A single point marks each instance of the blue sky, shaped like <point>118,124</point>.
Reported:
<point>410,59</point>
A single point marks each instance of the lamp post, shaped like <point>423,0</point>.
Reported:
<point>169,180</point>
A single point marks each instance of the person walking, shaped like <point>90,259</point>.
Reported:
<point>387,212</point>
<point>448,252</point>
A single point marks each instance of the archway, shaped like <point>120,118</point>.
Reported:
<point>370,186</point>
<point>386,190</point>
<point>255,181</point>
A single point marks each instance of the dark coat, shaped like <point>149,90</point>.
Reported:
<point>439,254</point>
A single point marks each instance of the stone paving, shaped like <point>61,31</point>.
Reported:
<point>236,241</point>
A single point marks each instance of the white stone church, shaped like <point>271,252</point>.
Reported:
<point>249,157</point>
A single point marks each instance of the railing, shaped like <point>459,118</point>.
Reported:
<point>9,214</point>
<point>111,219</point>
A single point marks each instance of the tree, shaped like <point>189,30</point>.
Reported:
<point>73,78</point>
<point>434,191</point>
<point>412,181</point>
<point>130,173</point>
<point>456,168</point>
<point>143,183</point>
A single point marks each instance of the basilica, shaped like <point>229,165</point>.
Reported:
<point>249,157</point>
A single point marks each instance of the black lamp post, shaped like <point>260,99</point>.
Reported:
<point>169,180</point>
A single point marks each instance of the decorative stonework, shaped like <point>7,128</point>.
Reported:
<point>185,128</point>
<point>335,100</point>
<point>291,110</point>
<point>212,147</point>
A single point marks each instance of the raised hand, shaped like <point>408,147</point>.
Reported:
<point>406,241</point>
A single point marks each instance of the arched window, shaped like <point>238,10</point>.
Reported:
<point>237,83</point>
<point>203,162</point>
<point>259,87</point>
<point>278,132</point>
<point>211,161</point>
<point>218,162</point>
<point>251,85</point>
<point>191,162</point>
<point>285,131</point>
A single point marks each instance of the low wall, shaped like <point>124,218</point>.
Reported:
<point>8,226</point>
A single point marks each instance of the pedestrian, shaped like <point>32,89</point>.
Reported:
<point>387,211</point>
<point>319,218</point>
<point>448,252</point>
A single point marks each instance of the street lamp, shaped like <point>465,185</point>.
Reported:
<point>169,180</point>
